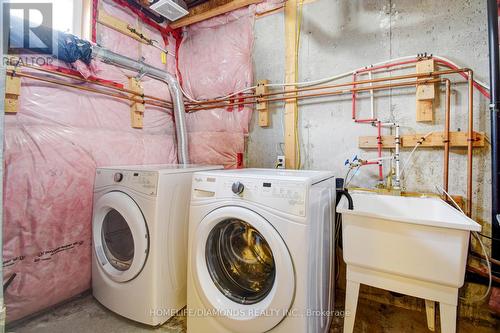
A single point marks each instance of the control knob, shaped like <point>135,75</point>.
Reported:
<point>238,188</point>
<point>118,177</point>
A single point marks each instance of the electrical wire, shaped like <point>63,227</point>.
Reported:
<point>482,84</point>
<point>488,263</point>
<point>347,175</point>
<point>221,97</point>
<point>489,237</point>
<point>485,253</point>
<point>338,77</point>
<point>408,159</point>
<point>298,161</point>
<point>354,174</point>
<point>186,94</point>
<point>338,224</point>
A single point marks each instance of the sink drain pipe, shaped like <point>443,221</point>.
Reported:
<point>495,122</point>
<point>173,86</point>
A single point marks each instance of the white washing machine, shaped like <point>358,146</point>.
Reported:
<point>139,227</point>
<point>261,251</point>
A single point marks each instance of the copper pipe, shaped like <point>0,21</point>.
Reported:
<point>62,83</point>
<point>74,77</point>
<point>321,94</point>
<point>446,167</point>
<point>354,83</point>
<point>480,255</point>
<point>480,272</point>
<point>470,139</point>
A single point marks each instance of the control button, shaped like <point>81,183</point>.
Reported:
<point>118,177</point>
<point>238,188</point>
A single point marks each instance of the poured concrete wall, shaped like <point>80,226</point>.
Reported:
<point>338,36</point>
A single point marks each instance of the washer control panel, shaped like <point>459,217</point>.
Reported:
<point>287,196</point>
<point>141,181</point>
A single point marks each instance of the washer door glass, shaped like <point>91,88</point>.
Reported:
<point>240,261</point>
<point>117,240</point>
<point>241,269</point>
<point>120,235</point>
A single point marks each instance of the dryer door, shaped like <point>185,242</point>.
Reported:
<point>120,236</point>
<point>244,272</point>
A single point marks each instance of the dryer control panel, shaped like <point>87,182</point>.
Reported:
<point>282,195</point>
<point>145,182</point>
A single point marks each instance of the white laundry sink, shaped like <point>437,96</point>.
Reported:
<point>419,238</point>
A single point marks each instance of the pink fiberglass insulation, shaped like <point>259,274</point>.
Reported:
<point>60,135</point>
<point>216,60</point>
<point>52,147</point>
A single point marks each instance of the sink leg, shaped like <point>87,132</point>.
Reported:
<point>351,302</point>
<point>430,310</point>
<point>448,315</point>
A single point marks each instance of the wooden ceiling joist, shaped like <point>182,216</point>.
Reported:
<point>211,9</point>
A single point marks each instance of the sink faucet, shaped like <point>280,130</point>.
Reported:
<point>393,187</point>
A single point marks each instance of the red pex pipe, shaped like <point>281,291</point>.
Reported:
<point>369,69</point>
<point>482,90</point>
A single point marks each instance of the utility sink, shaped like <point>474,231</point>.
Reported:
<point>419,238</point>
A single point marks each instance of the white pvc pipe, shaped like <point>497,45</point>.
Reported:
<point>396,157</point>
<point>340,76</point>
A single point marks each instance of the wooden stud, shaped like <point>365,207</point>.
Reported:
<point>262,107</point>
<point>291,109</point>
<point>426,93</point>
<point>211,9</point>
<point>371,142</point>
<point>121,26</point>
<point>12,91</point>
<point>435,140</point>
<point>86,19</point>
<point>457,140</point>
<point>136,108</point>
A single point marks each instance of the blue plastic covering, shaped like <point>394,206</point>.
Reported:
<point>68,48</point>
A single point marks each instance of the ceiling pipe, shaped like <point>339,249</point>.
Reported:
<point>173,85</point>
<point>495,117</point>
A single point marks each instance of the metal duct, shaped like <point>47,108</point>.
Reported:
<point>173,85</point>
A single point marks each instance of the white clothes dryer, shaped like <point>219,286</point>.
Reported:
<point>139,227</point>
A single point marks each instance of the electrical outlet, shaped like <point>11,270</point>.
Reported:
<point>280,162</point>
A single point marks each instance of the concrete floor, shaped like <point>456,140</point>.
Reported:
<point>84,315</point>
